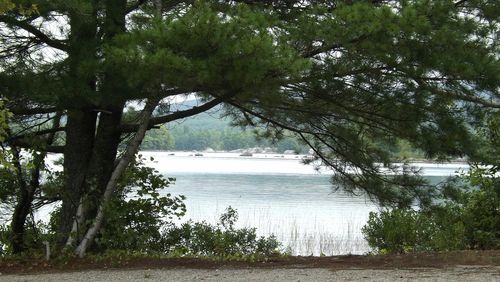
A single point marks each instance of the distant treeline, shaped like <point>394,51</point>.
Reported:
<point>187,138</point>
<point>205,131</point>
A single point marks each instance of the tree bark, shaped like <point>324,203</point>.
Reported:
<point>80,130</point>
<point>101,166</point>
<point>129,154</point>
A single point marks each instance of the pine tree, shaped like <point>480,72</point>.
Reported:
<point>348,78</point>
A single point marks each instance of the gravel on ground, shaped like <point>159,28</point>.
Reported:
<point>456,273</point>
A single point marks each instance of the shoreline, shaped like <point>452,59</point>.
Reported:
<point>276,155</point>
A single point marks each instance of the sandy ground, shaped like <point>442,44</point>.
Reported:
<point>456,273</point>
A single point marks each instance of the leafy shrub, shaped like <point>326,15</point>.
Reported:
<point>481,212</point>
<point>35,232</point>
<point>34,235</point>
<point>408,230</point>
<point>467,218</point>
<point>221,240</point>
<point>392,231</point>
<point>136,223</point>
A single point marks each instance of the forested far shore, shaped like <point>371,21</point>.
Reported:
<point>208,131</point>
<point>190,139</point>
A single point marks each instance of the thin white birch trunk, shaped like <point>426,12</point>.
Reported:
<point>76,225</point>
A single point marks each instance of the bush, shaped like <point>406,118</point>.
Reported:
<point>467,218</point>
<point>220,240</point>
<point>136,223</point>
<point>408,230</point>
<point>392,231</point>
<point>35,234</point>
<point>481,216</point>
<point>143,224</point>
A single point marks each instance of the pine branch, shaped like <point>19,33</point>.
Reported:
<point>125,128</point>
<point>42,37</point>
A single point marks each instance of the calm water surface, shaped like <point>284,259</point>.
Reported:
<point>277,195</point>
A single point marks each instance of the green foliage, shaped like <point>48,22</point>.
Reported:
<point>140,211</point>
<point>468,218</point>
<point>227,139</point>
<point>392,70</point>
<point>36,233</point>
<point>158,139</point>
<point>5,6</point>
<point>5,235</point>
<point>8,184</point>
<point>407,230</point>
<point>138,220</point>
<point>15,176</point>
<point>465,214</point>
<point>489,130</point>
<point>4,125</point>
<point>136,215</point>
<point>403,150</point>
<point>391,231</point>
<point>220,240</point>
<point>203,47</point>
<point>4,118</point>
<point>210,131</point>
<point>481,213</point>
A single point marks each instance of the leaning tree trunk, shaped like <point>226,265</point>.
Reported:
<point>127,157</point>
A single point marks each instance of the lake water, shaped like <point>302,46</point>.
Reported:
<point>276,194</point>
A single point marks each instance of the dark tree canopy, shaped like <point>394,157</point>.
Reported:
<point>348,78</point>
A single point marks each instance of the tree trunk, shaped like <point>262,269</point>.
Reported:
<point>22,209</point>
<point>110,101</point>
<point>80,130</point>
<point>105,148</point>
<point>81,117</point>
<point>129,154</point>
<point>101,166</point>
<point>27,191</point>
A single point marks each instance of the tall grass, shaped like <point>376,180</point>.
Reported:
<point>316,238</point>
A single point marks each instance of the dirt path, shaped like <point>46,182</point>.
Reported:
<point>459,273</point>
<point>449,266</point>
